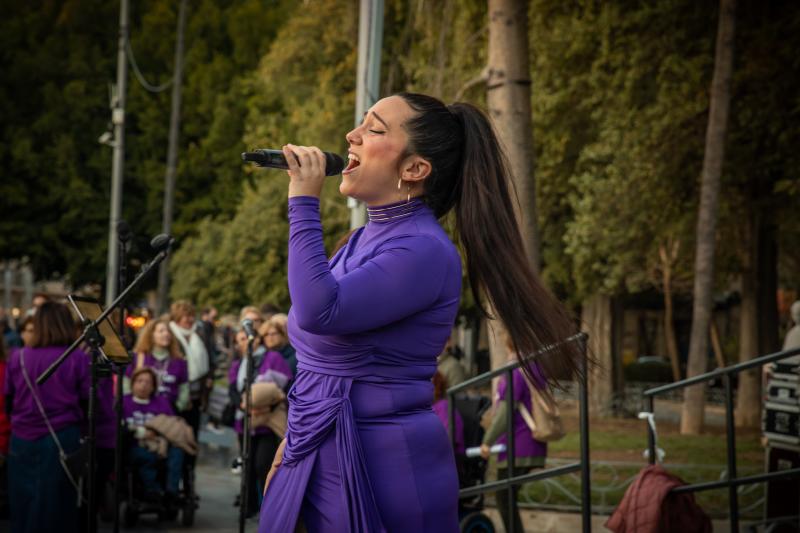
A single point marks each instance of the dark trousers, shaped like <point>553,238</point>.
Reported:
<point>501,497</point>
<point>145,461</point>
<point>41,497</point>
<point>262,451</point>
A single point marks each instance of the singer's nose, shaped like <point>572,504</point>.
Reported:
<point>353,137</point>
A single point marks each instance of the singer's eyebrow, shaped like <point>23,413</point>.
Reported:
<point>374,114</point>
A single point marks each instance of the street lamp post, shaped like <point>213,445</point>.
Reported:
<point>118,163</point>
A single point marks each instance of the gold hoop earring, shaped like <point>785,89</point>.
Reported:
<point>399,183</point>
<point>408,198</point>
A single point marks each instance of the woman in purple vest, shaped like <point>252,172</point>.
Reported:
<point>41,496</point>
<point>364,450</point>
<point>158,349</point>
<point>529,453</point>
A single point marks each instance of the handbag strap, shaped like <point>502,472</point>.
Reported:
<point>526,416</point>
<point>61,454</point>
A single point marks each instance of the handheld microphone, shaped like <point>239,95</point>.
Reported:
<point>247,326</point>
<point>334,164</point>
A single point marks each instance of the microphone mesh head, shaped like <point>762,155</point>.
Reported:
<point>334,164</point>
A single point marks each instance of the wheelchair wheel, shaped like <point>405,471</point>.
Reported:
<point>476,523</point>
<point>189,499</point>
<point>187,516</point>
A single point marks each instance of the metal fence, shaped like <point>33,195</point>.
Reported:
<point>732,481</point>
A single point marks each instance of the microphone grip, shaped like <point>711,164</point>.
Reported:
<point>334,164</point>
<point>266,158</point>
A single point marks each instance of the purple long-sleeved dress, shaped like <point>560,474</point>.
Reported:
<point>365,452</point>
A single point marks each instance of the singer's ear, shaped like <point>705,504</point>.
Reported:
<point>414,168</point>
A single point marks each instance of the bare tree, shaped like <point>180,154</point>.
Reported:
<point>508,87</point>
<point>509,101</point>
<point>692,416</point>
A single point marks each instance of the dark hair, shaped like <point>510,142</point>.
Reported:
<point>470,173</point>
<point>53,325</point>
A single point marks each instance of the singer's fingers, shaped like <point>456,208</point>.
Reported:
<point>319,159</point>
<point>308,176</point>
<point>291,158</point>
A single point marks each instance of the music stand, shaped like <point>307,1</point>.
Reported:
<point>88,311</point>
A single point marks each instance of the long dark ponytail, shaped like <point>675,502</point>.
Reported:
<point>470,173</point>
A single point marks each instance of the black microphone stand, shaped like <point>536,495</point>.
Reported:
<point>246,437</point>
<point>91,335</point>
<point>124,237</point>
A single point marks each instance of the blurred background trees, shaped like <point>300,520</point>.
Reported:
<point>620,101</point>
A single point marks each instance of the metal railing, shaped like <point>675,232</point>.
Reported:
<point>514,480</point>
<point>733,481</point>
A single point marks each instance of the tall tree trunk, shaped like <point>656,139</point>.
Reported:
<point>597,318</point>
<point>509,100</point>
<point>748,402</point>
<point>668,257</point>
<point>769,322</point>
<point>693,412</point>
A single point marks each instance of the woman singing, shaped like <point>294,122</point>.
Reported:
<point>364,450</point>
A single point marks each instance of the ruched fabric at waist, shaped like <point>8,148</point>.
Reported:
<point>378,367</point>
<point>317,400</point>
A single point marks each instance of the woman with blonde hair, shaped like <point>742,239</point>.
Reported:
<point>157,348</point>
<point>276,339</point>
<point>182,325</point>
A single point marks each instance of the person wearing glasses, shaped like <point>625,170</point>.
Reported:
<point>276,339</point>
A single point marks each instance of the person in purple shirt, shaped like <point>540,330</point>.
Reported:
<point>41,496</point>
<point>364,451</point>
<point>137,408</point>
<point>529,453</point>
<point>269,366</point>
<point>158,349</point>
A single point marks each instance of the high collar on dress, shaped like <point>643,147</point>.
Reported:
<point>387,214</point>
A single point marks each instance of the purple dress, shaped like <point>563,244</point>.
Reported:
<point>365,452</point>
<point>440,408</point>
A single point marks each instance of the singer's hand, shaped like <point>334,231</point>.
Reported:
<point>276,462</point>
<point>306,170</point>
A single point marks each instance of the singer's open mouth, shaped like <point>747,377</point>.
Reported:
<point>352,164</point>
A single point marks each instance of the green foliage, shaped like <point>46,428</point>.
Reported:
<point>303,92</point>
<point>620,102</point>
<point>620,124</point>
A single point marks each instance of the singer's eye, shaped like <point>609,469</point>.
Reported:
<point>377,132</point>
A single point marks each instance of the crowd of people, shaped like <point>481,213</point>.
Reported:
<point>176,360</point>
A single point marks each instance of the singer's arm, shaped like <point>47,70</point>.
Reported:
<point>406,276</point>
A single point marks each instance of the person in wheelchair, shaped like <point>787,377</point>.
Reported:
<point>138,408</point>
